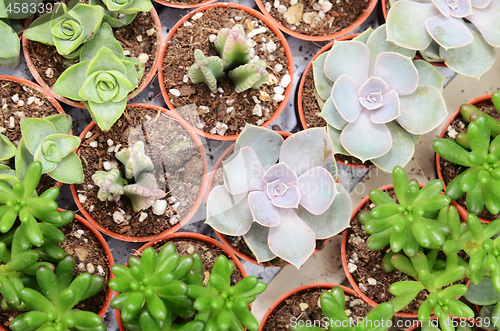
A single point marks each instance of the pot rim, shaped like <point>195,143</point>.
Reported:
<point>196,203</point>
<point>184,6</point>
<point>272,26</point>
<point>190,236</point>
<point>463,211</point>
<point>361,18</point>
<point>79,104</point>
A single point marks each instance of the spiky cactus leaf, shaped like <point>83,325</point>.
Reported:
<point>109,182</point>
<point>232,46</point>
<point>135,160</point>
<point>251,75</point>
<point>206,70</point>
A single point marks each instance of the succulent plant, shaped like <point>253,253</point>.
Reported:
<point>206,70</point>
<point>51,308</point>
<point>120,13</point>
<point>49,141</point>
<point>481,180</point>
<point>488,298</point>
<point>102,79</point>
<point>250,75</point>
<point>268,202</point>
<point>109,182</point>
<point>144,193</point>
<point>222,306</point>
<point>374,95</point>
<point>153,288</point>
<point>9,38</point>
<point>234,52</point>
<point>66,29</point>
<point>7,148</point>
<point>333,307</point>
<point>135,160</point>
<point>462,33</point>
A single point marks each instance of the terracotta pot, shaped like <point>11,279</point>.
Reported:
<point>78,104</point>
<point>193,209</point>
<point>361,18</point>
<point>343,252</point>
<point>479,100</point>
<point>189,236</point>
<point>270,23</point>
<point>185,6</point>
<point>304,288</point>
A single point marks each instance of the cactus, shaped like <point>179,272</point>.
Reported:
<point>143,193</point>
<point>135,160</point>
<point>232,46</point>
<point>109,182</point>
<point>250,75</point>
<point>206,70</point>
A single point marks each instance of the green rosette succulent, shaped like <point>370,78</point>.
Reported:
<point>333,307</point>
<point>102,79</point>
<point>51,308</point>
<point>49,141</point>
<point>66,29</point>
<point>120,13</point>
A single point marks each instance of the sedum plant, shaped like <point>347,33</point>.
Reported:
<point>102,79</point>
<point>333,307</point>
<point>462,33</point>
<point>275,190</point>
<point>51,308</point>
<point>234,56</point>
<point>49,141</point>
<point>66,29</point>
<point>373,95</point>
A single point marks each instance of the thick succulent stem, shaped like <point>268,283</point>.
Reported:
<point>143,193</point>
<point>109,182</point>
<point>251,75</point>
<point>135,160</point>
<point>232,46</point>
<point>206,70</point>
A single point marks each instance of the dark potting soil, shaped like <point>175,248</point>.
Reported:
<point>178,169</point>
<point>342,15</point>
<point>367,265</point>
<point>225,112</point>
<point>90,257</point>
<point>451,170</point>
<point>50,65</point>
<point>303,307</point>
<point>311,111</point>
<point>184,2</point>
<point>30,103</point>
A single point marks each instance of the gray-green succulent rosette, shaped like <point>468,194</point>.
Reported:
<point>102,79</point>
<point>66,29</point>
<point>462,33</point>
<point>280,195</point>
<point>376,100</point>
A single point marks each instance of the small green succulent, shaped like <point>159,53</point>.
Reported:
<point>206,70</point>
<point>102,79</point>
<point>7,148</point>
<point>66,29</point>
<point>122,12</point>
<point>49,141</point>
<point>9,38</point>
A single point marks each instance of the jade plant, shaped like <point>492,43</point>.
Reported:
<point>333,307</point>
<point>49,141</point>
<point>66,29</point>
<point>474,150</point>
<point>102,79</point>
<point>275,190</point>
<point>144,193</point>
<point>234,56</point>
<point>51,308</point>
<point>462,33</point>
<point>376,100</point>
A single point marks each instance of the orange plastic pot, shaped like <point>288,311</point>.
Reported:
<point>479,100</point>
<point>368,10</point>
<point>78,104</point>
<point>189,236</point>
<point>270,23</point>
<point>344,257</point>
<point>193,209</point>
<point>304,288</point>
<point>184,6</point>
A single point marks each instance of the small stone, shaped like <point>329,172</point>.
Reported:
<point>285,80</point>
<point>190,249</point>
<point>272,79</point>
<point>197,16</point>
<point>316,6</point>
<point>356,302</point>
<point>158,207</point>
<point>142,217</point>
<point>205,109</point>
<point>276,3</point>
<point>207,277</point>
<point>303,306</point>
<point>88,135</point>
<point>293,2</point>
<point>110,142</point>
<point>109,165</point>
<point>220,90</point>
<point>294,14</point>
<point>2,129</point>
<point>278,97</point>
<point>15,98</point>
<point>91,208</point>
<point>356,240</point>
<point>372,281</point>
<point>143,58</point>
<point>118,217</point>
<point>126,52</point>
<point>264,96</point>
<point>260,122</point>
<point>257,31</point>
<point>282,9</point>
<point>49,73</point>
<point>351,267</point>
<point>212,38</point>
<point>229,110</point>
<point>255,99</point>
<point>278,67</point>
<point>221,128</point>
<point>348,312</point>
<point>174,220</point>
<point>187,23</point>
<point>30,100</point>
<point>150,32</point>
<point>100,270</point>
<point>267,6</point>
<point>238,18</point>
<point>279,90</point>
<point>20,103</point>
<point>452,133</point>
<point>271,46</point>
<point>362,287</point>
<point>175,92</point>
<point>321,14</point>
<point>229,102</point>
<point>82,198</point>
<point>257,110</point>
<point>90,268</point>
<point>326,5</point>
<point>93,144</point>
<point>185,79</point>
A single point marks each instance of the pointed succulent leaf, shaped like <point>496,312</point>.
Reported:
<point>134,160</point>
<point>243,172</point>
<point>144,192</point>
<point>64,143</point>
<point>306,150</point>
<point>105,114</point>
<point>105,60</point>
<point>484,18</point>
<point>322,83</point>
<point>228,214</point>
<point>406,24</point>
<point>69,170</point>
<point>10,41</point>
<point>110,182</point>
<point>423,110</point>
<point>332,116</point>
<point>351,58</point>
<point>448,32</point>
<point>232,46</point>
<point>365,35</point>
<point>23,159</point>
<point>401,152</point>
<point>71,80</point>
<point>250,75</point>
<point>103,36</point>
<point>128,7</point>
<point>40,31</point>
<point>431,53</point>
<point>429,75</point>
<point>398,71</point>
<point>291,226</point>
<point>267,147</point>
<point>61,122</point>
<point>334,135</point>
<point>34,130</point>
<point>48,156</point>
<point>7,149</point>
<point>206,70</point>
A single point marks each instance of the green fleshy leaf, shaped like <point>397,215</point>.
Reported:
<point>21,14</point>
<point>105,60</point>
<point>66,46</point>
<point>322,84</point>
<point>335,138</point>
<point>34,130</point>
<point>429,75</point>
<point>7,149</point>
<point>9,62</point>
<point>332,116</point>
<point>133,70</point>
<point>64,143</point>
<point>403,148</point>
<point>62,122</point>
<point>40,30</point>
<point>71,80</point>
<point>116,22</point>
<point>47,165</point>
<point>69,170</point>
<point>431,53</point>
<point>23,159</point>
<point>136,6</point>
<point>363,36</point>
<point>90,18</point>
<point>483,294</point>
<point>10,42</point>
<point>267,147</point>
<point>256,240</point>
<point>104,36</point>
<point>107,113</point>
